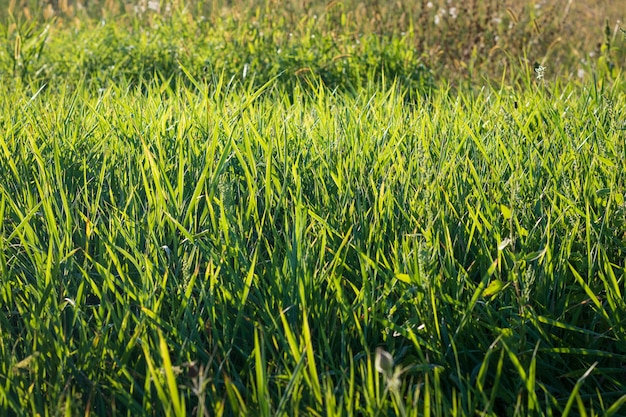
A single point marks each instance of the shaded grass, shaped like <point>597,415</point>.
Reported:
<point>134,53</point>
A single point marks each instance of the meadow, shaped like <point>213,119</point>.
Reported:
<point>247,208</point>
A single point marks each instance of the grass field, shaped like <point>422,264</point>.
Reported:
<point>206,217</point>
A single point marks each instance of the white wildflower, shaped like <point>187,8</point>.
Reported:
<point>540,70</point>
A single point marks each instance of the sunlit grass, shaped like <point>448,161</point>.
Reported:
<point>250,249</point>
<point>189,230</point>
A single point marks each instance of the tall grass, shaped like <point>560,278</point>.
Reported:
<point>243,222</point>
<point>207,249</point>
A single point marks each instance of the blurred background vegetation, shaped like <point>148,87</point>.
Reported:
<point>345,43</point>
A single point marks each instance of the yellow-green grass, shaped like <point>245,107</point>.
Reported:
<point>181,240</point>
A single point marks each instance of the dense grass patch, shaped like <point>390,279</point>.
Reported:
<point>135,51</point>
<point>238,250</point>
<point>223,219</point>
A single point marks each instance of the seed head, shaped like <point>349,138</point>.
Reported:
<point>384,362</point>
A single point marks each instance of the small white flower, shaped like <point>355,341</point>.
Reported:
<point>429,5</point>
<point>540,70</point>
<point>453,12</point>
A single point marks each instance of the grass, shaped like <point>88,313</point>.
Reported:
<point>186,242</point>
<point>346,44</point>
<point>455,39</point>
